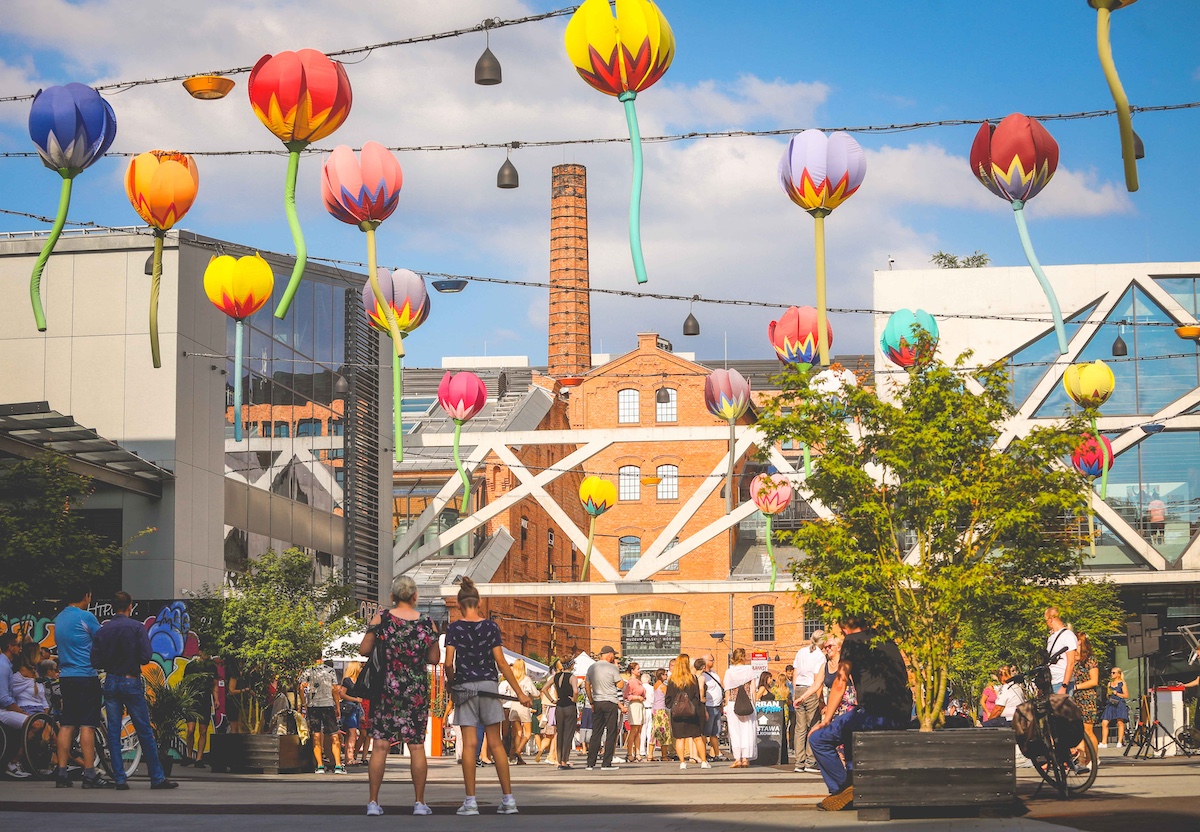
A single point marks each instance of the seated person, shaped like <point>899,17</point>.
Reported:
<point>48,676</point>
<point>27,690</point>
<point>1008,697</point>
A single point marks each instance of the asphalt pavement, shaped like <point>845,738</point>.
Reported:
<point>1128,796</point>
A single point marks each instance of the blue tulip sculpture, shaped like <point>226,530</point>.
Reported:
<point>72,127</point>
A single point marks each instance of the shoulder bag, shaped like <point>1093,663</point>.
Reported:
<point>742,706</point>
<point>370,679</point>
<point>682,706</point>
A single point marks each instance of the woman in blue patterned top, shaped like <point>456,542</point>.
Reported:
<point>474,654</point>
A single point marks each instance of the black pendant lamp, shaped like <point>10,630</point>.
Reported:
<point>1139,147</point>
<point>487,68</point>
<point>691,326</point>
<point>507,177</point>
<point>1119,347</point>
<point>663,396</point>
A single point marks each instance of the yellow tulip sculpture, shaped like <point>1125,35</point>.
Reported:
<point>621,56</point>
<point>1089,386</point>
<point>598,496</point>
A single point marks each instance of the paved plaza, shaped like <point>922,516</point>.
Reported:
<point>1128,795</point>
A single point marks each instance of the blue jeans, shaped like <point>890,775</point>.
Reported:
<point>122,694</point>
<point>824,743</point>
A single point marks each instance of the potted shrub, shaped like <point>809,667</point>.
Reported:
<point>271,624</point>
<point>173,706</point>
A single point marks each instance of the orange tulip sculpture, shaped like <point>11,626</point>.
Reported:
<point>161,186</point>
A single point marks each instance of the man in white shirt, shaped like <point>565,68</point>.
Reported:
<point>1062,668</point>
<point>809,665</point>
<point>1008,697</point>
<point>714,698</point>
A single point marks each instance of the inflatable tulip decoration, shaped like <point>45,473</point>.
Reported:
<point>598,496</point>
<point>1104,10</point>
<point>727,396</point>
<point>900,340</point>
<point>1093,459</point>
<point>161,186</point>
<point>1089,386</point>
<point>301,97</point>
<point>462,396</point>
<point>621,56</point>
<point>819,173</point>
<point>1015,160</point>
<point>772,495</point>
<point>794,336</point>
<point>401,303</point>
<point>72,127</point>
<point>239,287</point>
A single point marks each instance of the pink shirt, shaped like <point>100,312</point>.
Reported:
<point>634,687</point>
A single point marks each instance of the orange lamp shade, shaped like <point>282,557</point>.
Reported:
<point>208,87</point>
<point>161,186</point>
<point>238,286</point>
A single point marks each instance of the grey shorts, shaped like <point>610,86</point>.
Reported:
<point>478,710</point>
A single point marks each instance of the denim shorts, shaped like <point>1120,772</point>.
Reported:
<point>712,725</point>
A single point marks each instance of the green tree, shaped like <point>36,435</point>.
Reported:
<point>932,521</point>
<point>45,543</point>
<point>273,623</point>
<point>945,260</point>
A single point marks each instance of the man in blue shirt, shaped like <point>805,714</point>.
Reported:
<point>74,629</point>
<point>120,649</point>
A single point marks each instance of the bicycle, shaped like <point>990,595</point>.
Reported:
<point>40,741</point>
<point>1054,759</point>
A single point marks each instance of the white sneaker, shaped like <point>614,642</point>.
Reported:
<point>1104,745</point>
<point>705,764</point>
<point>591,768</point>
<point>811,770</point>
<point>610,768</point>
<point>508,806</point>
<point>374,809</point>
<point>420,809</point>
<point>682,766</point>
<point>15,770</point>
<point>469,807</point>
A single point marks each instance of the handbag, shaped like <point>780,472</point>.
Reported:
<point>742,706</point>
<point>683,708</point>
<point>370,679</point>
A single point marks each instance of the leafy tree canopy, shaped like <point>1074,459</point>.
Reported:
<point>935,520</point>
<point>945,260</point>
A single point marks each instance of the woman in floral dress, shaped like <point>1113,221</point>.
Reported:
<point>400,710</point>
<point>1087,693</point>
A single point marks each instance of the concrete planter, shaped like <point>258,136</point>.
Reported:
<point>258,754</point>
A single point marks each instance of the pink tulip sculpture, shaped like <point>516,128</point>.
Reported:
<point>462,396</point>
<point>1093,459</point>
<point>794,337</point>
<point>772,495</point>
<point>819,173</point>
<point>727,395</point>
<point>403,306</point>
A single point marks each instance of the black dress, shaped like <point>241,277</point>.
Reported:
<point>685,729</point>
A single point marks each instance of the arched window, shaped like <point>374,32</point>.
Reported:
<point>764,622</point>
<point>668,483</point>
<point>629,485</point>
<point>667,411</point>
<point>630,549</point>
<point>629,405</point>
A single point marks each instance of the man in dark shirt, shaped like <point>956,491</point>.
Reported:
<point>880,680</point>
<point>120,649</point>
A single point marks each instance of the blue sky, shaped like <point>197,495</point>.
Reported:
<point>716,222</point>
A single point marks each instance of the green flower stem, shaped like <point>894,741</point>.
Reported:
<point>1023,230</point>
<point>1124,117</point>
<point>35,281</point>
<point>807,460</point>
<point>587,555</point>
<point>635,196</point>
<point>289,205</point>
<point>771,554</point>
<point>1105,461</point>
<point>398,403</point>
<point>462,472</point>
<point>1091,524</point>
<point>822,314</point>
<point>389,314</point>
<point>729,478</point>
<point>155,287</point>
<point>239,329</point>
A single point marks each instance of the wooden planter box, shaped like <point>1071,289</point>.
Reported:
<point>973,768</point>
<point>258,754</point>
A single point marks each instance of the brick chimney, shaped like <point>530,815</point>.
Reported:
<point>570,348</point>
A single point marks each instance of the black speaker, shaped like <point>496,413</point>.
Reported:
<point>1133,627</point>
<point>1150,622</point>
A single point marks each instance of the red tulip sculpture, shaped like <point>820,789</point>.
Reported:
<point>1015,160</point>
<point>1093,459</point>
<point>462,396</point>
<point>772,495</point>
<point>727,396</point>
<point>794,337</point>
<point>401,302</point>
<point>301,97</point>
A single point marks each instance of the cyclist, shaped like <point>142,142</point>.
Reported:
<point>74,629</point>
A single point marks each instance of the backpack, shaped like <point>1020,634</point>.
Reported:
<point>683,707</point>
<point>1066,725</point>
<point>742,706</point>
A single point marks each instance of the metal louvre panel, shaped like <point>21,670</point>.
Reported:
<point>362,453</point>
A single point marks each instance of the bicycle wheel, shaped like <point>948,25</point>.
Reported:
<point>131,747</point>
<point>41,742</point>
<point>1079,780</point>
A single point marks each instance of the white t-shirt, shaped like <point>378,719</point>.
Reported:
<point>1009,697</point>
<point>1057,641</point>
<point>809,664</point>
<point>713,695</point>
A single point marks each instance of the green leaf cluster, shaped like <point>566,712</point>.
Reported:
<point>273,623</point>
<point>45,544</point>
<point>938,515</point>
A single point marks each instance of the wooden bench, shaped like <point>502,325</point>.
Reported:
<point>973,767</point>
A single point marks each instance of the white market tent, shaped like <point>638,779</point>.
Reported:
<point>582,662</point>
